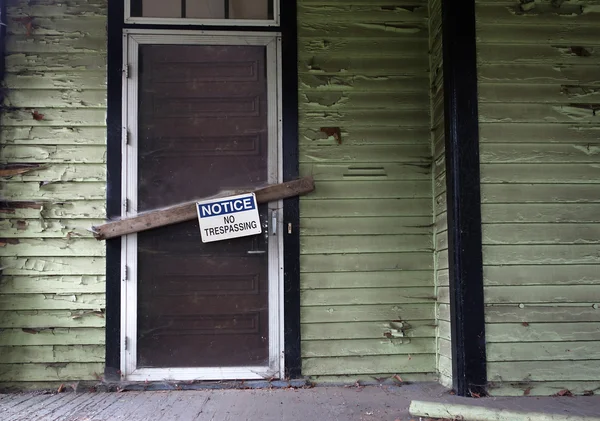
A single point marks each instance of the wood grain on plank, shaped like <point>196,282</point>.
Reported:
<point>541,313</point>
<point>541,370</point>
<point>374,364</point>
<point>405,225</point>
<point>30,135</point>
<point>365,207</point>
<point>356,296</point>
<point>367,347</point>
<point>374,262</point>
<point>52,354</point>
<point>357,279</point>
<point>556,274</point>
<point>46,372</point>
<point>52,336</point>
<point>542,332</point>
<point>364,244</point>
<point>365,313</point>
<point>33,320</point>
<point>367,330</point>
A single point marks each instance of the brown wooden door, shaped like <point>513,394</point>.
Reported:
<point>202,128</point>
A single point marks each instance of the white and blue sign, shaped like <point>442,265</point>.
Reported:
<point>228,217</point>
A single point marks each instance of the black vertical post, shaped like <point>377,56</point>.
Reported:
<point>183,8</point>
<point>291,212</point>
<point>113,193</point>
<point>463,197</point>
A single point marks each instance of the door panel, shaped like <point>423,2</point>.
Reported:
<point>202,128</point>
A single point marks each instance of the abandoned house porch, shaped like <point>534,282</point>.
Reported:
<point>450,234</point>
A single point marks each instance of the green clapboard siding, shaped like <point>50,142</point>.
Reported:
<point>440,231</point>
<point>368,293</point>
<point>52,288</point>
<point>539,94</point>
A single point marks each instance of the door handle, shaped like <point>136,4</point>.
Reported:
<point>274,222</point>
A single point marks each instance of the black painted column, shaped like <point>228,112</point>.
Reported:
<point>463,197</point>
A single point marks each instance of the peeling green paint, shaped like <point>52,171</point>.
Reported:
<point>52,291</point>
<point>538,91</point>
<point>364,70</point>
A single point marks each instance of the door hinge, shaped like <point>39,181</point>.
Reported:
<point>127,137</point>
<point>126,344</point>
<point>126,71</point>
<point>126,205</point>
<point>126,273</point>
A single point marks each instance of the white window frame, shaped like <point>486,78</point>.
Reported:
<point>132,39</point>
<point>209,22</point>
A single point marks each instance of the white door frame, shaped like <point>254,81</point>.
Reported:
<point>132,39</point>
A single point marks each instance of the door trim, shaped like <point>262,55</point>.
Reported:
<point>132,39</point>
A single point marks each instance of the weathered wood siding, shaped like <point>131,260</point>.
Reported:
<point>539,91</point>
<point>444,354</point>
<point>368,298</point>
<point>52,286</point>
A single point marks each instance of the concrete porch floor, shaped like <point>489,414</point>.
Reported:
<point>370,403</point>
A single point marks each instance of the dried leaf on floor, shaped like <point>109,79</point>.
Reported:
<point>564,392</point>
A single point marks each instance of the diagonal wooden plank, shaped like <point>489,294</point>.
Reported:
<point>187,211</point>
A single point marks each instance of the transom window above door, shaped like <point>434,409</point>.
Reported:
<point>203,12</point>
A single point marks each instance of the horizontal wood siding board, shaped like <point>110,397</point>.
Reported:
<point>540,193</point>
<point>549,312</point>
<point>544,233</point>
<point>46,247</point>
<point>362,207</point>
<point>366,347</point>
<point>70,209</point>
<point>34,135</point>
<point>364,244</point>
<point>52,293</point>
<point>51,319</point>
<point>572,173</point>
<point>372,262</point>
<point>537,294</point>
<point>418,363</point>
<point>544,351</point>
<point>52,284</point>
<point>536,153</point>
<point>326,297</point>
<point>545,274</point>
<point>52,354</point>
<point>366,279</point>
<point>363,136</point>
<point>488,14</point>
<point>518,213</point>
<point>21,63</point>
<point>47,228</point>
<point>52,8</point>
<point>366,313</point>
<point>517,33</point>
<point>542,332</point>
<point>542,371</point>
<point>541,388</point>
<point>51,372</point>
<point>527,92</point>
<point>539,133</point>
<point>351,226</point>
<point>368,330</point>
<point>52,336</point>
<point>536,54</point>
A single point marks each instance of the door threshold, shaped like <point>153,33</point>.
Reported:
<point>126,386</point>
